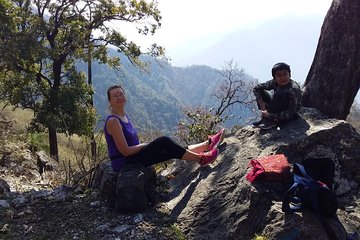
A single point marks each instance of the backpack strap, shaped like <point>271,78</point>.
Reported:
<point>300,181</point>
<point>290,198</point>
<point>300,168</point>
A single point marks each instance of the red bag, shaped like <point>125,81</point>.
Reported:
<point>269,168</point>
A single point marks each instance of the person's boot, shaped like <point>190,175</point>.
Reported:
<point>216,139</point>
<point>268,124</point>
<point>208,157</point>
<point>257,123</point>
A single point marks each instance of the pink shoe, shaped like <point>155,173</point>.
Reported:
<point>208,157</point>
<point>216,139</point>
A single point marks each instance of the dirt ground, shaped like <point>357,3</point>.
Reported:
<point>83,218</point>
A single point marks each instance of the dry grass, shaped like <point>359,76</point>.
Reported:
<point>21,117</point>
<point>74,151</point>
<point>14,123</point>
<point>76,158</point>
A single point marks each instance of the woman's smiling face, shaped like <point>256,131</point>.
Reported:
<point>117,97</point>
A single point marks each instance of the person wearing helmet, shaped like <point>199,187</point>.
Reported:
<point>285,101</point>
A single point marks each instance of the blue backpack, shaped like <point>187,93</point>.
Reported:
<point>312,194</point>
<point>309,193</point>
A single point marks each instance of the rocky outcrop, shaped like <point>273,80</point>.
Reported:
<point>24,170</point>
<point>22,178</point>
<point>217,202</point>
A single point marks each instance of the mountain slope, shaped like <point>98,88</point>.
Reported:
<point>156,97</point>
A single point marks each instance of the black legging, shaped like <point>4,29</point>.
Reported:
<point>277,102</point>
<point>159,150</point>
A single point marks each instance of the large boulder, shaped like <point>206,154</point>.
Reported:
<point>217,202</point>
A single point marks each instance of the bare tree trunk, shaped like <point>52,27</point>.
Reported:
<point>54,151</point>
<point>334,77</point>
<point>53,105</point>
<point>92,137</point>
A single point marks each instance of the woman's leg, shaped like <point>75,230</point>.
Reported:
<point>160,150</point>
<point>199,147</point>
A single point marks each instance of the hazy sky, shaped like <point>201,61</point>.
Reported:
<point>184,20</point>
<point>190,26</point>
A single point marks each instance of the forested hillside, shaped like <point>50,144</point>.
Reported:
<point>156,95</point>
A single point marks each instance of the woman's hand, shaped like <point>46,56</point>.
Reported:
<point>142,145</point>
<point>262,105</point>
<point>265,114</point>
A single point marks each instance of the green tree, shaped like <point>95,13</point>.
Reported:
<point>41,41</point>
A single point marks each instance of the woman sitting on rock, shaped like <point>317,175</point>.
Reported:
<point>124,146</point>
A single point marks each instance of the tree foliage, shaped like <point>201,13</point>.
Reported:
<point>40,43</point>
<point>199,123</point>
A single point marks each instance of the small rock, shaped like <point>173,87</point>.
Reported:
<point>26,212</point>
<point>19,200</point>
<point>76,236</point>
<point>165,172</point>
<point>95,204</point>
<point>5,228</point>
<point>349,208</point>
<point>79,196</point>
<point>42,194</point>
<point>94,195</point>
<point>344,186</point>
<point>27,228</point>
<point>62,193</point>
<point>4,204</point>
<point>78,190</point>
<point>138,218</point>
<point>103,227</point>
<point>122,228</point>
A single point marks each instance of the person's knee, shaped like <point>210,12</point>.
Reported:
<point>280,102</point>
<point>165,140</point>
<point>266,96</point>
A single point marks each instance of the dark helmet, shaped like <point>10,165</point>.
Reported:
<point>280,66</point>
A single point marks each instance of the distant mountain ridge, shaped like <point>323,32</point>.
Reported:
<point>292,39</point>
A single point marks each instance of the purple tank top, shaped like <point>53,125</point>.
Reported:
<point>117,159</point>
